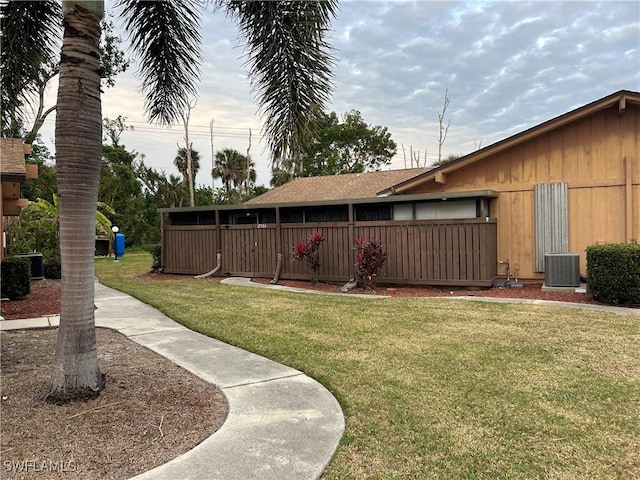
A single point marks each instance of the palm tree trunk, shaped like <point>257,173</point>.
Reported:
<point>78,154</point>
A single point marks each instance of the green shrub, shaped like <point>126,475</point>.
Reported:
<point>15,277</point>
<point>52,268</point>
<point>156,254</point>
<point>613,272</point>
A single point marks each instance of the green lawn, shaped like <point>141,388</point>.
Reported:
<point>437,388</point>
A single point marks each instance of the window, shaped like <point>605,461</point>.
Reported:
<point>403,211</point>
<point>446,210</point>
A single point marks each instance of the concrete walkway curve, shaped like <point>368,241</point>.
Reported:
<point>282,425</point>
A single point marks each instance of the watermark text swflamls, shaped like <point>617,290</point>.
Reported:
<point>20,466</point>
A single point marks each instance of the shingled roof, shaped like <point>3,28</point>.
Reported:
<point>12,157</point>
<point>348,186</point>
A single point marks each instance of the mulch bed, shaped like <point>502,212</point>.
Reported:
<point>531,291</point>
<point>43,300</point>
<point>150,411</point>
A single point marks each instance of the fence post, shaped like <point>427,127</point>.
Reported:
<point>351,269</point>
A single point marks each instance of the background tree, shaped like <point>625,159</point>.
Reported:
<point>290,68</point>
<point>230,166</point>
<point>444,161</point>
<point>158,191</point>
<point>258,190</point>
<point>112,129</point>
<point>120,189</point>
<point>442,129</point>
<point>350,146</point>
<point>283,173</point>
<point>190,173</point>
<point>204,195</point>
<point>181,162</point>
<point>249,176</point>
<point>174,191</point>
<point>336,147</point>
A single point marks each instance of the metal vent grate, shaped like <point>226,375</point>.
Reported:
<point>562,269</point>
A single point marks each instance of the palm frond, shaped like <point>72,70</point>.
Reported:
<point>29,43</point>
<point>290,65</point>
<point>106,207</point>
<point>46,208</point>
<point>103,224</point>
<point>166,39</point>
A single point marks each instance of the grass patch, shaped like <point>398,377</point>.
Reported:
<point>436,388</point>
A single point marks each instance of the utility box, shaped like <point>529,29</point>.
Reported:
<point>103,247</point>
<point>118,247</point>
<point>562,270</point>
<point>37,265</point>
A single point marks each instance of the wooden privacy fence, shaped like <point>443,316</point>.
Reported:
<point>421,252</point>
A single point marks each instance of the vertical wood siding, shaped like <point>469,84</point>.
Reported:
<point>422,252</point>
<point>598,157</point>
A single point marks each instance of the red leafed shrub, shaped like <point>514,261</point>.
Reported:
<point>370,258</point>
<point>309,250</point>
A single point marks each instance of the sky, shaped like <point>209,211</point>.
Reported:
<point>505,66</point>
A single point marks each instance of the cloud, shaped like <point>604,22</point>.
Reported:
<point>507,66</point>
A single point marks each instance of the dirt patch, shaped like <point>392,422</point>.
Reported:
<point>150,411</point>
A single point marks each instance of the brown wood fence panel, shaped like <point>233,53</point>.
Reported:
<point>236,250</point>
<point>248,250</point>
<point>189,249</point>
<point>334,253</point>
<point>427,252</point>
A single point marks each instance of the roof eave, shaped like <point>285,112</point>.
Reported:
<point>355,201</point>
<point>13,176</point>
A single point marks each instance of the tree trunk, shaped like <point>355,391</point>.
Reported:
<point>78,134</point>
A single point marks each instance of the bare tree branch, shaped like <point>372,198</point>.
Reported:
<point>443,130</point>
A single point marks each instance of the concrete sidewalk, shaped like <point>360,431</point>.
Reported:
<point>281,424</point>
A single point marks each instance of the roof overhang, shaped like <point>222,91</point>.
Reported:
<point>423,197</point>
<point>12,177</point>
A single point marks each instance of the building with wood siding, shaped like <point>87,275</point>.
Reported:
<point>558,187</point>
<point>13,171</point>
<point>570,182</point>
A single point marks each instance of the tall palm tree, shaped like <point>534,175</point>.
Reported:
<point>230,167</point>
<point>181,164</point>
<point>174,191</point>
<point>290,64</point>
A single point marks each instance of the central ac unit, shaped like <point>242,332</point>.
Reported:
<point>562,269</point>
